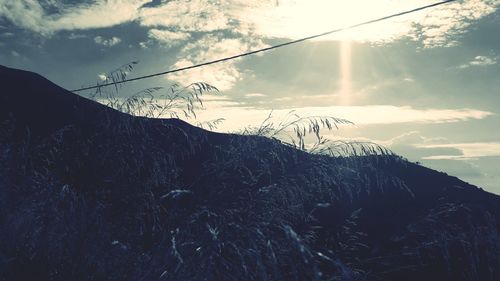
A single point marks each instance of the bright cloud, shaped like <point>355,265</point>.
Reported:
<point>480,61</point>
<point>299,18</point>
<point>168,38</point>
<point>469,150</point>
<point>413,138</point>
<point>212,47</point>
<point>186,15</point>
<point>439,148</point>
<point>107,42</point>
<point>176,22</point>
<point>471,162</point>
<point>388,114</point>
<point>255,95</point>
<point>102,77</point>
<point>32,15</point>
<point>272,19</point>
<point>222,76</point>
<point>441,26</point>
<point>360,115</point>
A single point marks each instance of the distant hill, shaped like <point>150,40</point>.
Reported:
<point>89,193</point>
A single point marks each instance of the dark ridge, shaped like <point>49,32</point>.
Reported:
<point>89,193</point>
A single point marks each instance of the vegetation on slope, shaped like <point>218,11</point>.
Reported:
<point>90,193</point>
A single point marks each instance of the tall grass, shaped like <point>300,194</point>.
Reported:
<point>176,101</point>
<point>100,203</point>
<point>182,102</point>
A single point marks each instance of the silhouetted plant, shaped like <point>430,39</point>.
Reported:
<point>295,130</point>
<point>182,102</point>
<point>177,101</point>
<point>89,201</point>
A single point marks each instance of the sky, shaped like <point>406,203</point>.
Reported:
<point>425,85</point>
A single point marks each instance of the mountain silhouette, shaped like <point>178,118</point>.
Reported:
<point>90,193</point>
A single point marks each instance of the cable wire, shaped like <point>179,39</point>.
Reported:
<point>268,48</point>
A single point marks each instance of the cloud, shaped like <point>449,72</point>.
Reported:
<point>255,95</point>
<point>481,172</point>
<point>435,152</point>
<point>107,42</point>
<point>102,77</point>
<point>186,15</point>
<point>388,114</point>
<point>14,53</point>
<point>414,137</point>
<point>360,115</point>
<point>465,170</point>
<point>73,36</point>
<point>453,158</point>
<point>293,19</point>
<point>468,150</point>
<point>442,26</point>
<point>168,38</point>
<point>23,13</point>
<point>438,148</point>
<point>212,47</point>
<point>480,61</point>
<point>412,146</point>
<point>222,76</point>
<point>34,14</point>
<point>6,34</point>
<point>435,27</point>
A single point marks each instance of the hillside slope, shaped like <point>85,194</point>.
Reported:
<point>89,193</point>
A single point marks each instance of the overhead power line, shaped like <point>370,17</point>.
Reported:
<point>268,48</point>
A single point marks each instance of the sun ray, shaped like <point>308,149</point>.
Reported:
<point>345,86</point>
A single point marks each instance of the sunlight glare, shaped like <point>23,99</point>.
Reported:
<point>300,18</point>
<point>345,73</point>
